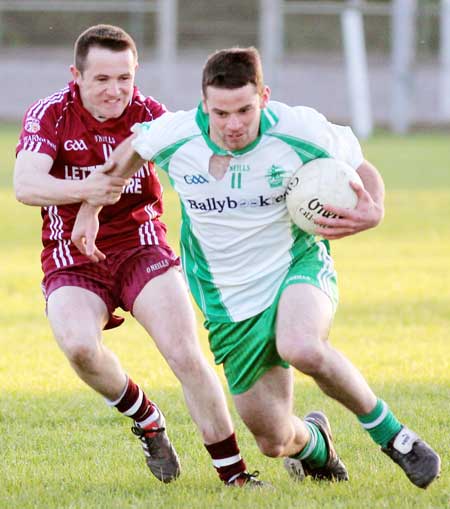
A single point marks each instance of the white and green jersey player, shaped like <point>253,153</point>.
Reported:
<point>230,162</point>
<point>239,247</point>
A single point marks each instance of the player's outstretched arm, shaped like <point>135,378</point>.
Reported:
<point>124,162</point>
<point>85,232</point>
<point>368,213</point>
<point>34,185</point>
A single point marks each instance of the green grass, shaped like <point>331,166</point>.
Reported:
<point>63,448</point>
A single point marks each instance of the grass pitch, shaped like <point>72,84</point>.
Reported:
<point>63,448</point>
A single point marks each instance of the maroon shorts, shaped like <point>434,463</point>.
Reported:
<point>119,279</point>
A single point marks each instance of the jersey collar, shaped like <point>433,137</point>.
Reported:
<point>268,120</point>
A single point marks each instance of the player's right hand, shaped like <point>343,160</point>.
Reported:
<point>345,222</point>
<point>85,232</point>
<point>100,189</point>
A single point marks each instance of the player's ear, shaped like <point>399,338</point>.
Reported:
<point>76,74</point>
<point>204,106</point>
<point>265,97</point>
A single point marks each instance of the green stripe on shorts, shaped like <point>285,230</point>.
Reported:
<point>247,349</point>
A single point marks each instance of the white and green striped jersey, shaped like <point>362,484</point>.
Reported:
<point>237,241</point>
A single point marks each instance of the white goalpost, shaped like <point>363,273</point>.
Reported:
<point>271,43</point>
<point>444,82</point>
<point>403,30</point>
<point>357,69</point>
<point>404,16</point>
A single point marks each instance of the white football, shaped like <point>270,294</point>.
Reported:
<point>319,182</point>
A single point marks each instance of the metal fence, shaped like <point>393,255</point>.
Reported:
<point>165,11</point>
<point>407,37</point>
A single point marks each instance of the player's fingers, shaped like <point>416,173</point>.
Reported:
<point>334,233</point>
<point>335,215</point>
<point>337,211</point>
<point>334,226</point>
<point>115,185</point>
<point>106,182</point>
<point>108,166</point>
<point>361,193</point>
<point>79,242</point>
<point>92,251</point>
<point>90,245</point>
<point>118,182</point>
<point>97,255</point>
<point>356,186</point>
<point>116,191</point>
<point>113,197</point>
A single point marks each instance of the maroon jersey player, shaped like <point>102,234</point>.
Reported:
<point>64,142</point>
<point>78,144</point>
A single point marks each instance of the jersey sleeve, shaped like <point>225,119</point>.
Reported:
<point>153,137</point>
<point>157,109</point>
<point>39,132</point>
<point>339,141</point>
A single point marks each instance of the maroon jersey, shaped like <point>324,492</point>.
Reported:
<point>60,127</point>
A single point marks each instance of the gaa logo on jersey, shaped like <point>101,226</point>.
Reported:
<point>32,125</point>
<point>75,145</point>
<point>195,179</point>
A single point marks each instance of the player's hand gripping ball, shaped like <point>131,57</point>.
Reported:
<point>320,182</point>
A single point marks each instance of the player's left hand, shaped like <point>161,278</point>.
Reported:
<point>85,232</point>
<point>366,215</point>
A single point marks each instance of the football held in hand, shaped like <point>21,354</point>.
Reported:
<point>320,182</point>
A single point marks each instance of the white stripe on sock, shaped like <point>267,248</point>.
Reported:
<point>312,443</point>
<point>233,478</point>
<point>134,408</point>
<point>153,417</point>
<point>378,420</point>
<point>118,400</point>
<point>225,462</point>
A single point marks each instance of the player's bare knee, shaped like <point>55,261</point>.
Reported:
<point>273,447</point>
<point>79,351</point>
<point>185,364</point>
<point>82,355</point>
<point>272,440</point>
<point>307,356</point>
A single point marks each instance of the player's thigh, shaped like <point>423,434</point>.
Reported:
<point>305,313</point>
<point>163,308</point>
<point>76,315</point>
<point>266,408</point>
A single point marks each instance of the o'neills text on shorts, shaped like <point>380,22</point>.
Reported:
<point>156,266</point>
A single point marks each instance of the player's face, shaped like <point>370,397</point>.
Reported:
<point>234,114</point>
<point>106,84</point>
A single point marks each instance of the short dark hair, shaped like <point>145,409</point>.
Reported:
<point>233,68</point>
<point>103,36</point>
